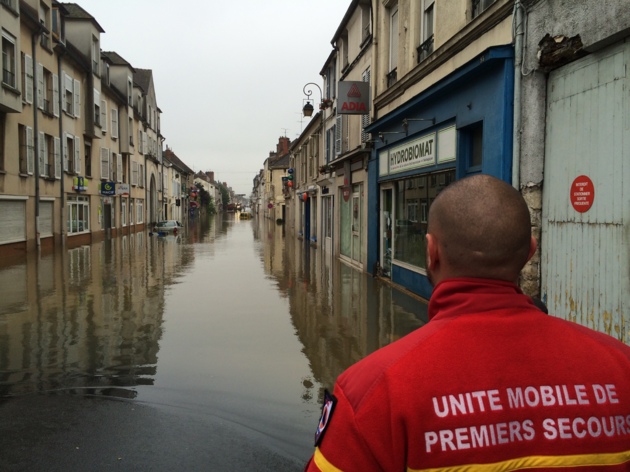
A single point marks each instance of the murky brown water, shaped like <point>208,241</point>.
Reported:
<point>229,320</point>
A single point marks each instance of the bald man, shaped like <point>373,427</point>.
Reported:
<point>491,383</point>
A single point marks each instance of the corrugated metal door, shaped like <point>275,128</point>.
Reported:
<point>585,259</point>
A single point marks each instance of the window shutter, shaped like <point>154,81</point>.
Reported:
<point>105,163</point>
<point>77,154</point>
<point>338,134</point>
<point>77,99</point>
<point>114,123</point>
<point>28,63</point>
<point>97,104</point>
<point>40,86</point>
<point>56,95</point>
<point>144,143</point>
<point>67,87</point>
<point>65,151</point>
<point>119,166</point>
<point>41,152</point>
<point>57,158</point>
<point>104,115</point>
<point>30,151</point>
<point>140,149</point>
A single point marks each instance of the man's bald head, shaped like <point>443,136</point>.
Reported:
<point>483,229</point>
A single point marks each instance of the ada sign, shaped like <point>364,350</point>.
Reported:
<point>354,98</point>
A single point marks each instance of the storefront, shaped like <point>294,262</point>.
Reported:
<point>460,126</point>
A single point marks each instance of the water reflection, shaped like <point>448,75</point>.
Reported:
<point>340,314</point>
<point>230,320</point>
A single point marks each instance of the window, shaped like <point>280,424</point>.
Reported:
<point>393,46</point>
<point>114,123</point>
<point>49,156</point>
<point>9,67</point>
<point>472,146</point>
<point>139,210</point>
<point>10,4</point>
<point>72,96</point>
<point>119,168</point>
<point>103,119</point>
<point>478,6</point>
<point>105,167</point>
<point>129,91</point>
<point>131,211</point>
<point>413,200</point>
<point>97,107</point>
<point>140,175</point>
<point>96,56</point>
<point>338,135</point>
<point>123,211</point>
<point>366,23</point>
<point>47,91</point>
<point>78,214</point>
<point>27,78</point>
<point>87,152</point>
<point>134,173</point>
<point>44,19</point>
<point>426,48</point>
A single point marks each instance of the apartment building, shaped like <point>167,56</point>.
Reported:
<point>443,87</point>
<point>80,140</point>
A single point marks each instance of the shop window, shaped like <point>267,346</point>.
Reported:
<point>471,140</point>
<point>413,200</point>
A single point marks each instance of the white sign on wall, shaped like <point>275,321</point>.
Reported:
<point>413,154</point>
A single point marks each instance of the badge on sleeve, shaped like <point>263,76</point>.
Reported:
<point>327,410</point>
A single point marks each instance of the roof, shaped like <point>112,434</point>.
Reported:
<point>115,59</point>
<point>142,78</point>
<point>170,156</point>
<point>281,162</point>
<point>75,12</point>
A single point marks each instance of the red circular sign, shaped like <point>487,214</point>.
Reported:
<point>582,193</point>
<point>270,205</point>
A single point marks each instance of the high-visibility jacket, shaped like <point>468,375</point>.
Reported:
<point>491,383</point>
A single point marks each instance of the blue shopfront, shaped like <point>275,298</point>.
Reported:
<point>460,126</point>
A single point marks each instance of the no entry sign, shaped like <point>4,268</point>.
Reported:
<point>582,193</point>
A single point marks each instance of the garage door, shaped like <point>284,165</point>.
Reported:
<point>46,219</point>
<point>13,228</point>
<point>586,193</point>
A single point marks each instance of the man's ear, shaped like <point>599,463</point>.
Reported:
<point>533,245</point>
<point>433,255</point>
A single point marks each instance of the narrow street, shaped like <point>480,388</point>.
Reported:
<point>205,350</point>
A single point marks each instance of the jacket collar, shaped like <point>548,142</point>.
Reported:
<point>459,296</point>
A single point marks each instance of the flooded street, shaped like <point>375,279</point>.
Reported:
<point>209,349</point>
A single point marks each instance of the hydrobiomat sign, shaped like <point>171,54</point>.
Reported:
<point>411,155</point>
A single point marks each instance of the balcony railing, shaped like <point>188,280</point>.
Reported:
<point>8,77</point>
<point>425,49</point>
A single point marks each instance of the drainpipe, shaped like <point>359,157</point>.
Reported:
<point>60,53</point>
<point>36,142</point>
<point>518,19</point>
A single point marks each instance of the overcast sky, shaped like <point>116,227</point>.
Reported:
<point>229,75</point>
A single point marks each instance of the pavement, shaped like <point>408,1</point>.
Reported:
<point>83,433</point>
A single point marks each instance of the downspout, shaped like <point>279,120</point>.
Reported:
<point>36,142</point>
<point>60,54</point>
<point>518,19</point>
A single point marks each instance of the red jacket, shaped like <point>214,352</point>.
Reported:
<point>491,383</point>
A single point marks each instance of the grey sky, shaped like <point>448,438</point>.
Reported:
<point>228,75</point>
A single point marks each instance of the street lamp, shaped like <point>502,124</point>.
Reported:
<point>309,108</point>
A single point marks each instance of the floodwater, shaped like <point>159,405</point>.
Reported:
<point>229,321</point>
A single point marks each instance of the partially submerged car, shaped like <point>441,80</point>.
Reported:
<point>167,226</point>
